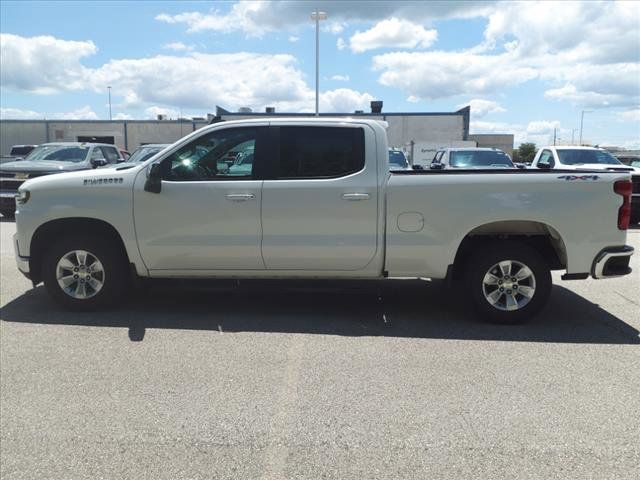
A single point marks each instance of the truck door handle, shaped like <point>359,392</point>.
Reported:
<point>354,197</point>
<point>240,197</point>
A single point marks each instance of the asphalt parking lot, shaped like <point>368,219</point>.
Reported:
<point>295,380</point>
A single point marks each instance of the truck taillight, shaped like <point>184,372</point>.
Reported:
<point>624,187</point>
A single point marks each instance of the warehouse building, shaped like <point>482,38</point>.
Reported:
<point>419,133</point>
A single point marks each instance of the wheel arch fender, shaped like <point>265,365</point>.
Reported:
<point>543,237</point>
<point>49,231</point>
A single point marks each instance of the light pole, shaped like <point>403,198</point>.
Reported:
<point>317,16</point>
<point>109,88</point>
<point>582,122</point>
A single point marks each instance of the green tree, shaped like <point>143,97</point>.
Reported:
<point>526,152</point>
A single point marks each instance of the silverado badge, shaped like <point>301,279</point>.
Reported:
<point>22,176</point>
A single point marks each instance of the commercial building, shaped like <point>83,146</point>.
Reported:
<point>419,133</point>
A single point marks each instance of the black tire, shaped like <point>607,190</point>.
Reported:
<point>8,213</point>
<point>115,278</point>
<point>519,253</point>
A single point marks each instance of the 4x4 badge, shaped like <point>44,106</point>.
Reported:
<point>578,177</point>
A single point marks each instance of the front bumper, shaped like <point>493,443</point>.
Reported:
<point>21,262</point>
<point>612,262</point>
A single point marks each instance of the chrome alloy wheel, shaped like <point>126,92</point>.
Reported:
<point>509,285</point>
<point>80,274</point>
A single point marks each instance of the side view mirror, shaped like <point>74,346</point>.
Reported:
<point>418,167</point>
<point>154,179</point>
<point>543,165</point>
<point>436,166</point>
<point>98,162</point>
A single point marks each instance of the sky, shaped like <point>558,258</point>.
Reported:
<point>525,68</point>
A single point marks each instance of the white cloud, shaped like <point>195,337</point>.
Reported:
<point>344,100</point>
<point>256,18</point>
<point>122,116</point>
<point>293,38</point>
<point>340,78</point>
<point>541,127</point>
<point>481,107</point>
<point>178,47</point>
<point>341,44</point>
<point>19,114</point>
<point>335,27</point>
<point>413,99</point>
<point>585,52</point>
<point>251,79</point>
<point>631,115</point>
<point>84,113</point>
<point>393,33</point>
<point>42,64</point>
<point>443,74</point>
<point>539,132</point>
<point>154,111</point>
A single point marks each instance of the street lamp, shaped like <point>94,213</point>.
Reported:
<point>582,122</point>
<point>317,16</point>
<point>109,88</point>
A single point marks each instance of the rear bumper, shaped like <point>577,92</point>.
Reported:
<point>612,262</point>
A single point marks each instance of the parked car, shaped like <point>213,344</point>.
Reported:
<point>627,159</point>
<point>50,158</point>
<point>592,158</point>
<point>21,151</point>
<point>144,152</point>
<point>17,152</point>
<point>318,202</point>
<point>398,160</point>
<point>473,158</point>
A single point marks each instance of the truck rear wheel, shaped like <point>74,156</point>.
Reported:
<point>84,273</point>
<point>509,282</point>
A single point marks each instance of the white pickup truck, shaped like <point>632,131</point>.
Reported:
<point>315,199</point>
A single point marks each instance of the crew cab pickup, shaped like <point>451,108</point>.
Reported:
<point>317,200</point>
<point>592,158</point>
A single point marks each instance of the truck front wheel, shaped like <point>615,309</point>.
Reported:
<point>509,282</point>
<point>84,273</point>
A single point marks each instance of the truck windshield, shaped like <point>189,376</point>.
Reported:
<point>580,156</point>
<point>59,153</point>
<point>480,158</point>
<point>142,153</point>
<point>397,159</point>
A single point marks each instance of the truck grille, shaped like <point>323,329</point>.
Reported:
<point>636,183</point>
<point>9,182</point>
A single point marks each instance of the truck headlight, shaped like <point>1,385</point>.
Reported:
<point>22,197</point>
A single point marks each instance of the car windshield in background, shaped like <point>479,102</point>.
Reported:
<point>480,158</point>
<point>143,153</point>
<point>579,156</point>
<point>397,159</point>
<point>59,153</point>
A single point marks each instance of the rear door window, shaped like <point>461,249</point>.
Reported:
<point>319,152</point>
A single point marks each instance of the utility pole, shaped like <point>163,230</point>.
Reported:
<point>573,132</point>
<point>317,16</point>
<point>554,136</point>
<point>109,88</point>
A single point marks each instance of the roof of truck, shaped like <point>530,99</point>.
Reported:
<point>77,144</point>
